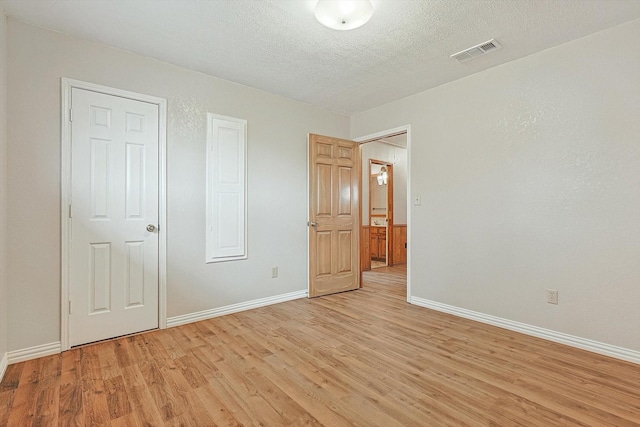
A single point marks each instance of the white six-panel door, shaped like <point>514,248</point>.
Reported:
<point>113,268</point>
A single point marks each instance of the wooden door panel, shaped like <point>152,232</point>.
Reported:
<point>346,152</point>
<point>323,253</point>
<point>345,198</point>
<point>334,215</point>
<point>345,258</point>
<point>324,191</point>
<point>324,151</point>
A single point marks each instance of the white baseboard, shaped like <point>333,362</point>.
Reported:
<point>233,308</point>
<point>4,362</point>
<point>559,337</point>
<point>34,352</point>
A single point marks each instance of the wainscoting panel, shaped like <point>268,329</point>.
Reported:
<point>399,241</point>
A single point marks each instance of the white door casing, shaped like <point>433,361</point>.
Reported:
<point>113,242</point>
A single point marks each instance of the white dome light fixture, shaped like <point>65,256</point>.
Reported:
<point>343,14</point>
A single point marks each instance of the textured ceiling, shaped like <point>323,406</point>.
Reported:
<point>277,45</point>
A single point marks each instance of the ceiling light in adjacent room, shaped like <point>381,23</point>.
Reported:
<point>383,176</point>
<point>343,14</point>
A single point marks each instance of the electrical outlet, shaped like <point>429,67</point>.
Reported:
<point>274,272</point>
<point>552,296</point>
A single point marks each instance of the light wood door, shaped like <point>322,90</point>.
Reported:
<point>334,215</point>
<point>113,265</point>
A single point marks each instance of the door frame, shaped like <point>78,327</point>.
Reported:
<point>66,85</point>
<point>387,133</point>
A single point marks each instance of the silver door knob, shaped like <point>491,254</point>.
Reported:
<point>312,224</point>
<point>151,228</point>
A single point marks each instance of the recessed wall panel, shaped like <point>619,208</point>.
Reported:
<point>229,225</point>
<point>229,155</point>
<point>100,278</point>
<point>134,274</point>
<point>135,181</point>
<point>226,216</point>
<point>100,178</point>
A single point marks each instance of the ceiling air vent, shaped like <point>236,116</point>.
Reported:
<point>477,50</point>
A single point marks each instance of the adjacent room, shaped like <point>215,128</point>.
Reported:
<point>319,212</point>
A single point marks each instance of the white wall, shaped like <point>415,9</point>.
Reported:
<point>530,180</point>
<point>3,187</point>
<point>398,157</point>
<point>277,166</point>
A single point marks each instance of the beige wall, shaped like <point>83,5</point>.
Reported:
<point>3,185</point>
<point>277,193</point>
<point>529,175</point>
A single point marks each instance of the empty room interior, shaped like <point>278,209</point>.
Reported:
<point>320,212</point>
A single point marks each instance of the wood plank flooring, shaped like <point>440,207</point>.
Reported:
<point>362,358</point>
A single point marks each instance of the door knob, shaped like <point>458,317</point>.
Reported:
<point>312,224</point>
<point>151,228</point>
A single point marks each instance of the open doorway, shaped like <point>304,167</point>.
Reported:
<point>380,222</point>
<point>384,202</point>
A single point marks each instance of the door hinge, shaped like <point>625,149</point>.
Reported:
<point>70,114</point>
<point>70,212</point>
<point>69,306</point>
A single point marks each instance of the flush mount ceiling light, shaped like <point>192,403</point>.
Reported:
<point>343,14</point>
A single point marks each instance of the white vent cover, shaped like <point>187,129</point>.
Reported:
<point>477,50</point>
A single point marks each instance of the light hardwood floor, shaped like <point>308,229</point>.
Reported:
<point>359,358</point>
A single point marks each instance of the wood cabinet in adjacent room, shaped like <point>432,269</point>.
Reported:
<point>378,243</point>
